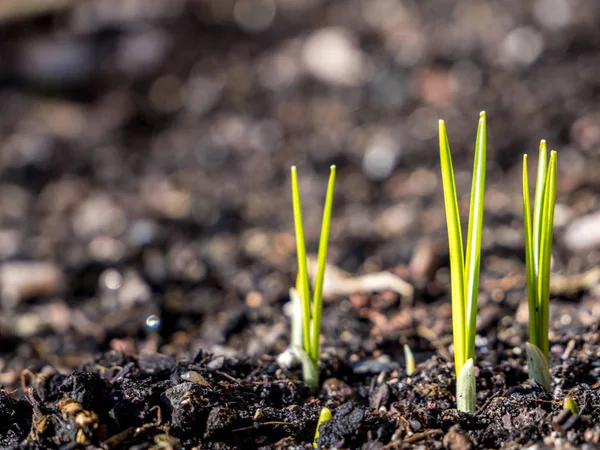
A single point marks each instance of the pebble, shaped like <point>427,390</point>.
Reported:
<point>374,366</point>
<point>142,52</point>
<point>583,233</point>
<point>201,93</point>
<point>23,280</point>
<point>522,46</point>
<point>56,60</point>
<point>552,14</point>
<point>97,215</point>
<point>254,16</point>
<point>133,291</point>
<point>381,156</point>
<point>331,55</point>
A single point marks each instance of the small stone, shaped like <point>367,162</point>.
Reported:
<point>331,55</point>
<point>583,233</point>
<point>97,215</point>
<point>522,46</point>
<point>456,440</point>
<point>381,156</point>
<point>23,280</point>
<point>133,291</point>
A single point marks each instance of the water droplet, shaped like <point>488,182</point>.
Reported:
<point>153,322</point>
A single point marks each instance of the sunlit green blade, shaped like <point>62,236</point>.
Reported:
<point>538,203</point>
<point>409,360</point>
<point>531,278</point>
<point>322,259</point>
<point>455,249</point>
<point>324,416</point>
<point>569,403</point>
<point>473,260</point>
<point>303,287</point>
<point>546,254</point>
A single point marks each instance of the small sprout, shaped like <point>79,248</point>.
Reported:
<point>309,315</point>
<point>464,269</point>
<point>538,254</point>
<point>409,360</point>
<point>569,404</point>
<point>324,416</point>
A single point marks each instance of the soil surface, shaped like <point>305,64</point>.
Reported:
<point>146,229</point>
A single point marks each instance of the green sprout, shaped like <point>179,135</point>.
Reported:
<point>307,348</point>
<point>409,359</point>
<point>538,255</point>
<point>324,416</point>
<point>464,272</point>
<point>570,404</point>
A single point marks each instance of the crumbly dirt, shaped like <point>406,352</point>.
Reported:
<point>146,231</point>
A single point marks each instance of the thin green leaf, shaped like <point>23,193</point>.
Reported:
<point>540,187</point>
<point>409,360</point>
<point>473,261</point>
<point>302,266</point>
<point>455,247</point>
<point>531,278</point>
<point>465,388</point>
<point>546,254</point>
<point>322,260</point>
<point>324,416</point>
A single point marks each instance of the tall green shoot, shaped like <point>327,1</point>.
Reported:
<point>464,269</point>
<point>538,255</point>
<point>311,313</point>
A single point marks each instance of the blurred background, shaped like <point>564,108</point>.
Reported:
<point>145,148</point>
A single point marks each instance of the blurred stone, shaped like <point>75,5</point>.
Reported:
<point>522,46</point>
<point>98,214</point>
<point>14,201</point>
<point>396,220</point>
<point>23,280</point>
<point>424,261</point>
<point>584,233</point>
<point>142,232</point>
<point>133,291</point>
<point>142,52</point>
<point>27,148</point>
<point>381,156</point>
<point>56,61</point>
<point>436,87</point>
<point>20,9</point>
<point>201,93</point>
<point>106,248</point>
<point>10,242</point>
<point>165,94</point>
<point>552,14</point>
<point>167,201</point>
<point>331,55</point>
<point>254,15</point>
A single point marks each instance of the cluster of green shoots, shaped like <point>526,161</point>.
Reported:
<point>465,263</point>
<point>306,325</point>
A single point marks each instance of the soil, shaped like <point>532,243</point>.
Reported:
<point>146,230</point>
